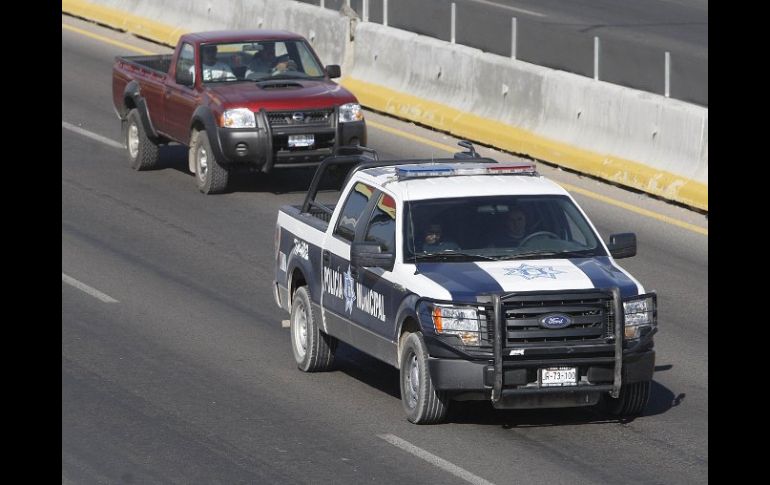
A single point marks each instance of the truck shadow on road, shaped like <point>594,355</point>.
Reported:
<point>283,181</point>
<point>385,378</point>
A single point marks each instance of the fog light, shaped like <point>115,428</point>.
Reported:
<point>632,332</point>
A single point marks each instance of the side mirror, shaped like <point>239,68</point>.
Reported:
<point>622,245</point>
<point>333,71</point>
<point>184,77</point>
<point>366,254</point>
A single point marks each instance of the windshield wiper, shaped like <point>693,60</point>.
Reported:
<point>584,253</point>
<point>451,255</point>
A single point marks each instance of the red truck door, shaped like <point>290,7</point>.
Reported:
<point>180,97</point>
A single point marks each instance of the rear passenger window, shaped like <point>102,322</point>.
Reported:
<point>382,225</point>
<point>352,210</point>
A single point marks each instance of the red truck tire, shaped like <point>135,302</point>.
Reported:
<point>210,175</point>
<point>143,153</point>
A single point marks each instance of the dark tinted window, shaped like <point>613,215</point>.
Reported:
<point>382,225</point>
<point>499,227</point>
<point>352,210</point>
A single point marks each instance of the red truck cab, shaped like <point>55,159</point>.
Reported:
<point>241,100</point>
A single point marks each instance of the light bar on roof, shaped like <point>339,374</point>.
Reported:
<point>452,170</point>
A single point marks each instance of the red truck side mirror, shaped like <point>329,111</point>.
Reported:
<point>333,71</point>
<point>184,77</point>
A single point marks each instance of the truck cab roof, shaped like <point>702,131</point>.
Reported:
<point>217,36</point>
<point>434,180</point>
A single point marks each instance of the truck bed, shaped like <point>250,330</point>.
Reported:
<point>316,218</point>
<point>159,63</point>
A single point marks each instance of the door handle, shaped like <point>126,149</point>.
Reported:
<point>325,257</point>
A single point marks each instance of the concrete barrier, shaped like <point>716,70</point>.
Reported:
<point>165,20</point>
<point>638,139</point>
<point>641,140</point>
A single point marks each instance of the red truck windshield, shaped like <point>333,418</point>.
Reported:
<point>258,60</point>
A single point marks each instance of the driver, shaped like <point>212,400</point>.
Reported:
<point>514,228</point>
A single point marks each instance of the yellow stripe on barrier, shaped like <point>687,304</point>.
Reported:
<point>150,29</point>
<point>107,40</point>
<point>516,140</point>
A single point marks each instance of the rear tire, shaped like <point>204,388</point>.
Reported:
<point>143,153</point>
<point>313,350</point>
<point>210,175</point>
<point>631,401</point>
<point>422,402</point>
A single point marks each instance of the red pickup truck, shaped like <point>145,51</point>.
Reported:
<point>241,100</point>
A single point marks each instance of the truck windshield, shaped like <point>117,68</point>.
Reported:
<point>258,60</point>
<point>497,227</point>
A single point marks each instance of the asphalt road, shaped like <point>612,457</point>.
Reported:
<point>560,34</point>
<point>188,376</point>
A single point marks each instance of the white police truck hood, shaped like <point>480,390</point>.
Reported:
<point>464,281</point>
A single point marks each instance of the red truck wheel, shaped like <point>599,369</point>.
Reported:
<point>209,174</point>
<point>143,153</point>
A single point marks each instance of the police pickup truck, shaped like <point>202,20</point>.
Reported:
<point>478,280</point>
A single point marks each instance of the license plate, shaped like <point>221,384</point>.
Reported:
<point>558,376</point>
<point>301,141</point>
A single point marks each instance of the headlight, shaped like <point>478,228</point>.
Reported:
<point>239,118</point>
<point>460,321</point>
<point>639,312</point>
<point>351,112</point>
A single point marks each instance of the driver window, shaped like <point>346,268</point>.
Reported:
<point>354,206</point>
<point>381,228</point>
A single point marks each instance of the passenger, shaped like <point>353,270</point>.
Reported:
<point>213,70</point>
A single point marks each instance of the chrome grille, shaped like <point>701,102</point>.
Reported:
<point>592,315</point>
<point>300,118</point>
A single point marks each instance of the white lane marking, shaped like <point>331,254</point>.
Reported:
<point>434,460</point>
<point>91,135</point>
<point>506,7</point>
<point>91,291</point>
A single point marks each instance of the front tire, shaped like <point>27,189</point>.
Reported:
<point>423,403</point>
<point>210,175</point>
<point>631,402</point>
<point>143,153</point>
<point>313,350</point>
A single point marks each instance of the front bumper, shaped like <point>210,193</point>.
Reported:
<point>519,379</point>
<point>266,147</point>
<point>509,377</point>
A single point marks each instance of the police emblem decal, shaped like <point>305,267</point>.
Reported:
<point>349,291</point>
<point>529,272</point>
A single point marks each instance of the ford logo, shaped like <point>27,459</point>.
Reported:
<point>298,117</point>
<point>555,321</point>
